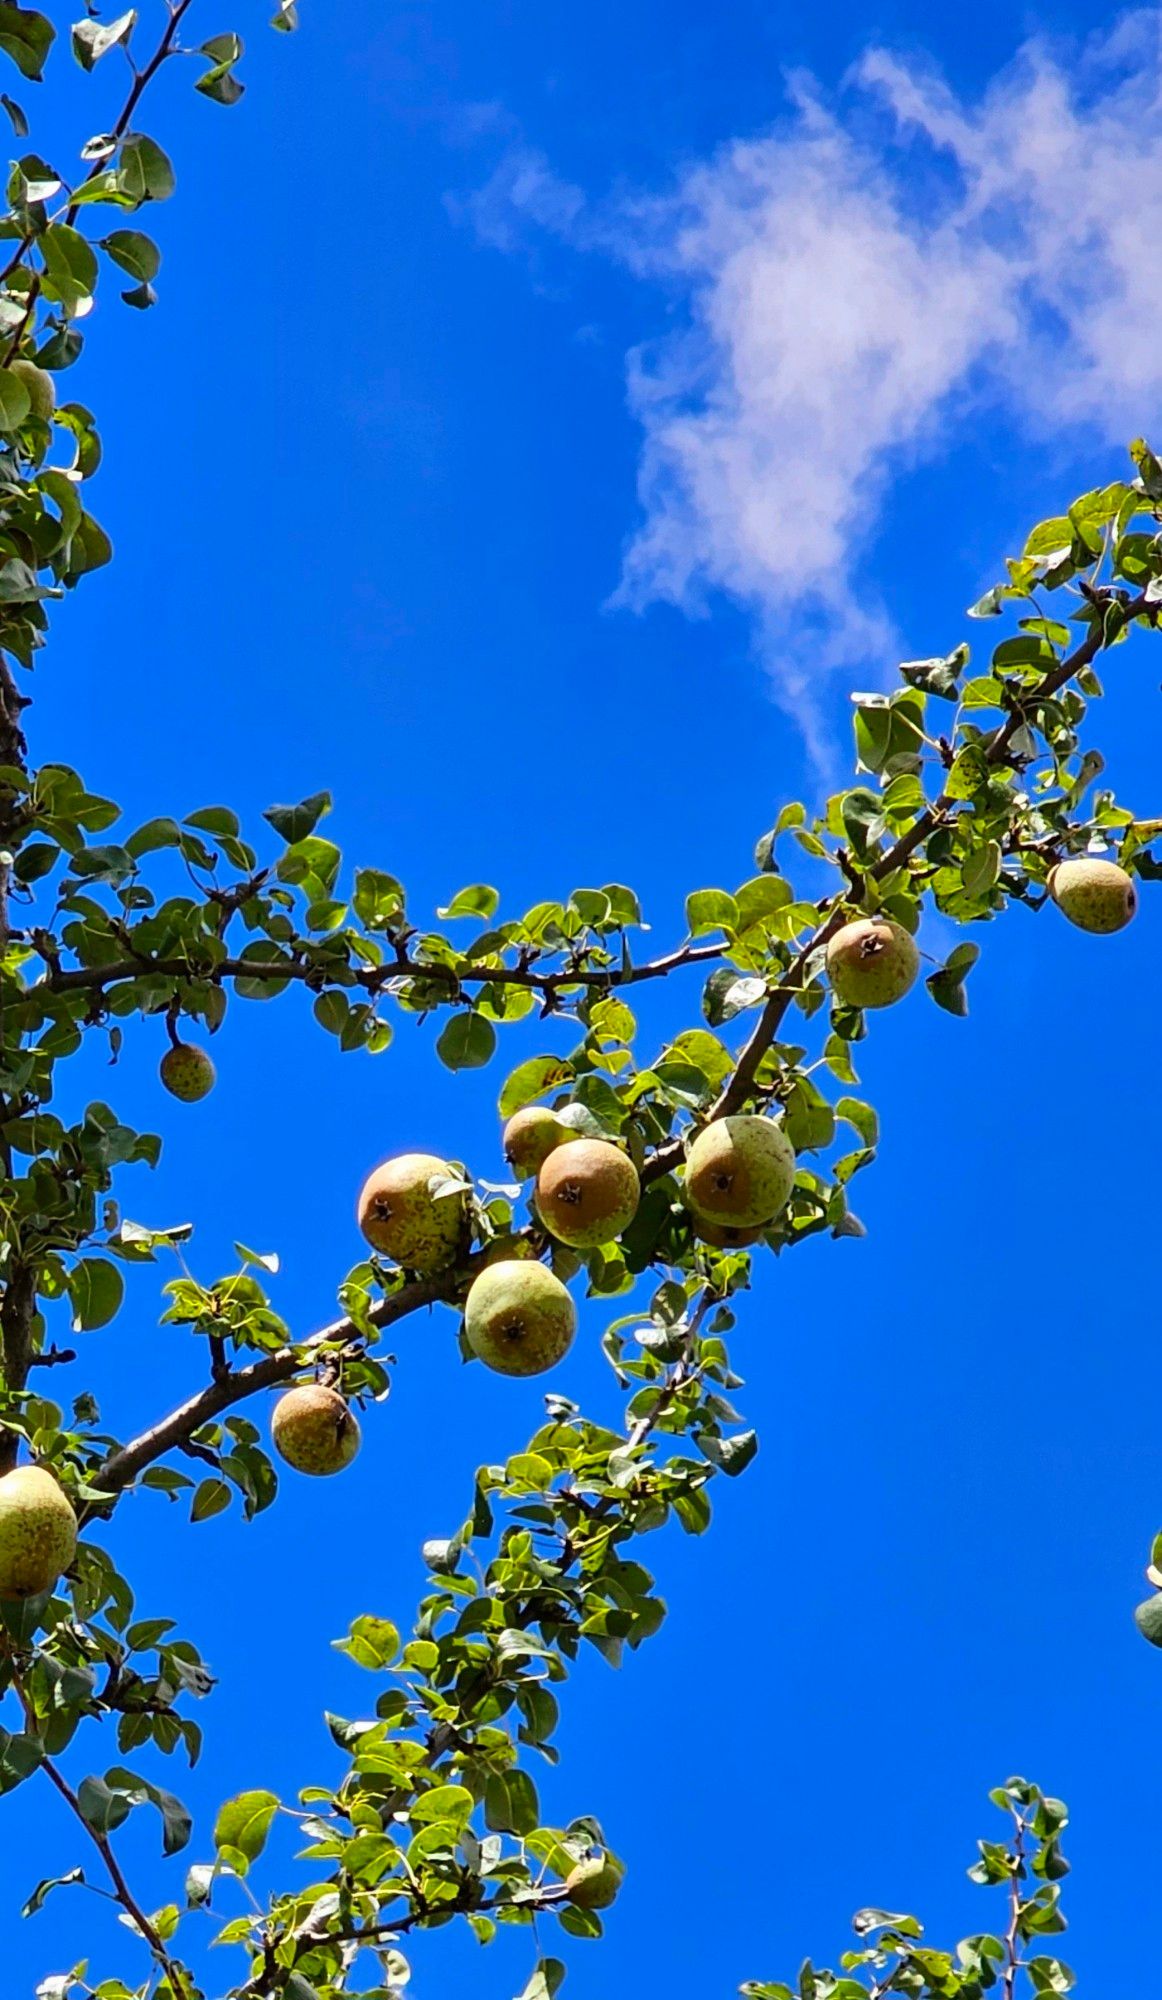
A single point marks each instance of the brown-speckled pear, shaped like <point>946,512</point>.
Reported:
<point>187,1072</point>
<point>872,962</point>
<point>314,1430</point>
<point>1095,895</point>
<point>400,1216</point>
<point>587,1193</point>
<point>530,1136</point>
<point>38,1532</point>
<point>39,384</point>
<point>519,1318</point>
<point>593,1884</point>
<point>739,1172</point>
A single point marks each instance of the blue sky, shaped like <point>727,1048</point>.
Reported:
<point>458,470</point>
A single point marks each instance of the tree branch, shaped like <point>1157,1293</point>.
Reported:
<point>121,1890</point>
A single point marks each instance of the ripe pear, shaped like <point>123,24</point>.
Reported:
<point>1095,895</point>
<point>38,1532</point>
<point>739,1173</point>
<point>593,1884</point>
<point>314,1430</point>
<point>872,962</point>
<point>399,1215</point>
<point>587,1193</point>
<point>39,384</point>
<point>530,1136</point>
<point>519,1318</point>
<point>1148,1618</point>
<point>187,1072</point>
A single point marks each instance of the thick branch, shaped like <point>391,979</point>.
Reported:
<point>123,1467</point>
<point>465,972</point>
<point>17,1312</point>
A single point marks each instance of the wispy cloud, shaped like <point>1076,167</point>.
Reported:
<point>851,286</point>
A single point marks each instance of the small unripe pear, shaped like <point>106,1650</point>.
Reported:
<point>314,1430</point>
<point>593,1884</point>
<point>530,1136</point>
<point>187,1072</point>
<point>399,1214</point>
<point>1095,895</point>
<point>587,1193</point>
<point>1148,1618</point>
<point>519,1318</point>
<point>38,1532</point>
<point>872,962</point>
<point>739,1173</point>
<point>39,384</point>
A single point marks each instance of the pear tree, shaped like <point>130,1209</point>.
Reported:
<point>648,1180</point>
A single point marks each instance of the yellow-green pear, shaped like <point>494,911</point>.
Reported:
<point>400,1215</point>
<point>38,1532</point>
<point>872,962</point>
<point>530,1136</point>
<point>1095,895</point>
<point>314,1430</point>
<point>587,1193</point>
<point>519,1318</point>
<point>593,1884</point>
<point>187,1072</point>
<point>739,1173</point>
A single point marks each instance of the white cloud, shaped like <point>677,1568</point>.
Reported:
<point>851,287</point>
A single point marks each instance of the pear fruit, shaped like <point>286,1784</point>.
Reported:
<point>530,1136</point>
<point>40,386</point>
<point>519,1318</point>
<point>593,1884</point>
<point>1095,895</point>
<point>587,1193</point>
<point>38,1532</point>
<point>187,1072</point>
<point>400,1216</point>
<point>872,962</point>
<point>314,1430</point>
<point>739,1173</point>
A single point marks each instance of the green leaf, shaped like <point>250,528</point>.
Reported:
<point>70,266</point>
<point>242,1826</point>
<point>710,910</point>
<point>102,1809</point>
<point>43,1890</point>
<point>15,401</point>
<point>477,901</point>
<point>546,1980</point>
<point>295,823</point>
<point>212,1496</point>
<point>466,1042</point>
<point>134,252</point>
<point>371,1643</point>
<point>27,37</point>
<point>145,173</point>
<point>534,1078</point>
<point>96,1288</point>
<point>731,1455</point>
<point>91,40</point>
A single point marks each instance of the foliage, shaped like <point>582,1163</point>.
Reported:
<point>970,786</point>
